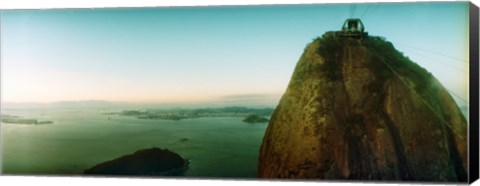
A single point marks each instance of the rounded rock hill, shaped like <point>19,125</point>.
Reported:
<point>359,109</point>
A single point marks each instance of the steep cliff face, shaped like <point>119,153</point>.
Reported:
<point>359,109</point>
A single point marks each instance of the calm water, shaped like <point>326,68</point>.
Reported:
<point>80,139</point>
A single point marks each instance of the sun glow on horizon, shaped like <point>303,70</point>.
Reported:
<point>47,86</point>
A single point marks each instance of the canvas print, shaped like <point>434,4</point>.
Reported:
<point>345,92</point>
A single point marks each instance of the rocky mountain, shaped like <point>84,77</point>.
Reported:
<point>359,109</point>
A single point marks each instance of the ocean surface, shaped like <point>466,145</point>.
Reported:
<point>218,147</point>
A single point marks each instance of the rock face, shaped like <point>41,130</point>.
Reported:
<point>359,109</point>
<point>147,162</point>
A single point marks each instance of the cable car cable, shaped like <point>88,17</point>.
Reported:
<point>365,11</point>
<point>351,10</point>
<point>373,9</point>
<point>436,60</point>
<point>421,98</point>
<point>459,97</point>
<point>451,57</point>
<point>354,7</point>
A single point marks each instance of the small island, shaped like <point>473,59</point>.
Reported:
<point>20,120</point>
<point>254,118</point>
<point>147,162</point>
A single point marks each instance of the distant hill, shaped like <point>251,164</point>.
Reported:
<point>253,118</point>
<point>178,114</point>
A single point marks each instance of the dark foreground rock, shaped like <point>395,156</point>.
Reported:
<point>146,162</point>
<point>359,109</point>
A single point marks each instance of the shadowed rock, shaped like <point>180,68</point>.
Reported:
<point>146,162</point>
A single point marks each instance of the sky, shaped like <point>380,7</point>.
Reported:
<point>207,54</point>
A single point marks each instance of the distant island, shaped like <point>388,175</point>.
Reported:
<point>20,120</point>
<point>255,119</point>
<point>178,114</point>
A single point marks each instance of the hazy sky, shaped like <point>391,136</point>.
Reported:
<point>204,54</point>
